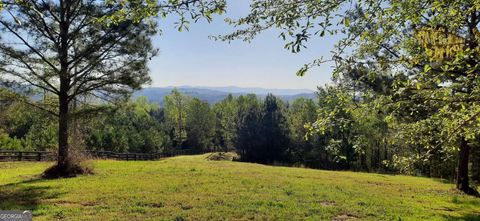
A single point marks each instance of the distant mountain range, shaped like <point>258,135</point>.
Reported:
<point>215,94</point>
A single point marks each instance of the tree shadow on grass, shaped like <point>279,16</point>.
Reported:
<point>468,217</point>
<point>467,203</point>
<point>445,181</point>
<point>25,195</point>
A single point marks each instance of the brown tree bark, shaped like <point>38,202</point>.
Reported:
<point>63,97</point>
<point>63,146</point>
<point>462,173</point>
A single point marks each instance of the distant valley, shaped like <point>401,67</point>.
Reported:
<point>215,94</point>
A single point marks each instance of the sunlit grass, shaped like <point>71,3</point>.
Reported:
<point>193,188</point>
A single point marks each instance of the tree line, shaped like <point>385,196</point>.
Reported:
<point>340,130</point>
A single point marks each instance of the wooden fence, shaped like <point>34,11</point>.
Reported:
<point>9,155</point>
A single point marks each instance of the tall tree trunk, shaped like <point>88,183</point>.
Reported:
<point>372,158</point>
<point>363,162</point>
<point>462,172</point>
<point>385,149</point>
<point>63,98</point>
<point>63,132</point>
<point>475,164</point>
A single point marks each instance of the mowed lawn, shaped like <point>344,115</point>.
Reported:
<point>193,188</point>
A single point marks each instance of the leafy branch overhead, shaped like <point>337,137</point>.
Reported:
<point>188,11</point>
<point>426,53</point>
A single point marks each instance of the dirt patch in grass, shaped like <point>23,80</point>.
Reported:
<point>151,205</point>
<point>89,204</point>
<point>186,206</point>
<point>71,168</point>
<point>344,217</point>
<point>221,156</point>
<point>60,202</point>
<point>327,203</point>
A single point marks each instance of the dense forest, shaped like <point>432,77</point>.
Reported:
<point>342,130</point>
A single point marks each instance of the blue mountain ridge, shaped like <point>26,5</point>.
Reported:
<point>213,95</point>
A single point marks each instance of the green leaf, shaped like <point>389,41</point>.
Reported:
<point>302,71</point>
<point>347,22</point>
<point>427,68</point>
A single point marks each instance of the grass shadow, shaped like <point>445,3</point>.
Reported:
<point>468,217</point>
<point>473,202</point>
<point>444,181</point>
<point>25,195</point>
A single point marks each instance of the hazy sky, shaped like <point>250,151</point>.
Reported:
<point>191,58</point>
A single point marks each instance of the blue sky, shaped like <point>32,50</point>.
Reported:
<point>191,58</point>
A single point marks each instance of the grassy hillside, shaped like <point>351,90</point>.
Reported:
<point>193,188</point>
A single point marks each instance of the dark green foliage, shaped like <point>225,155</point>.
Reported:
<point>275,130</point>
<point>303,149</point>
<point>249,138</point>
<point>26,128</point>
<point>129,128</point>
<point>262,130</point>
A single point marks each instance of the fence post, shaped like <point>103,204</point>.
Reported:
<point>39,156</point>
<point>19,156</point>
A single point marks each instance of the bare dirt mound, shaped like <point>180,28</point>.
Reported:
<point>222,156</point>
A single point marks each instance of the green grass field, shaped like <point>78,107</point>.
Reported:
<point>193,188</point>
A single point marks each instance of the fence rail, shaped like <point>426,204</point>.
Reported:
<point>11,155</point>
